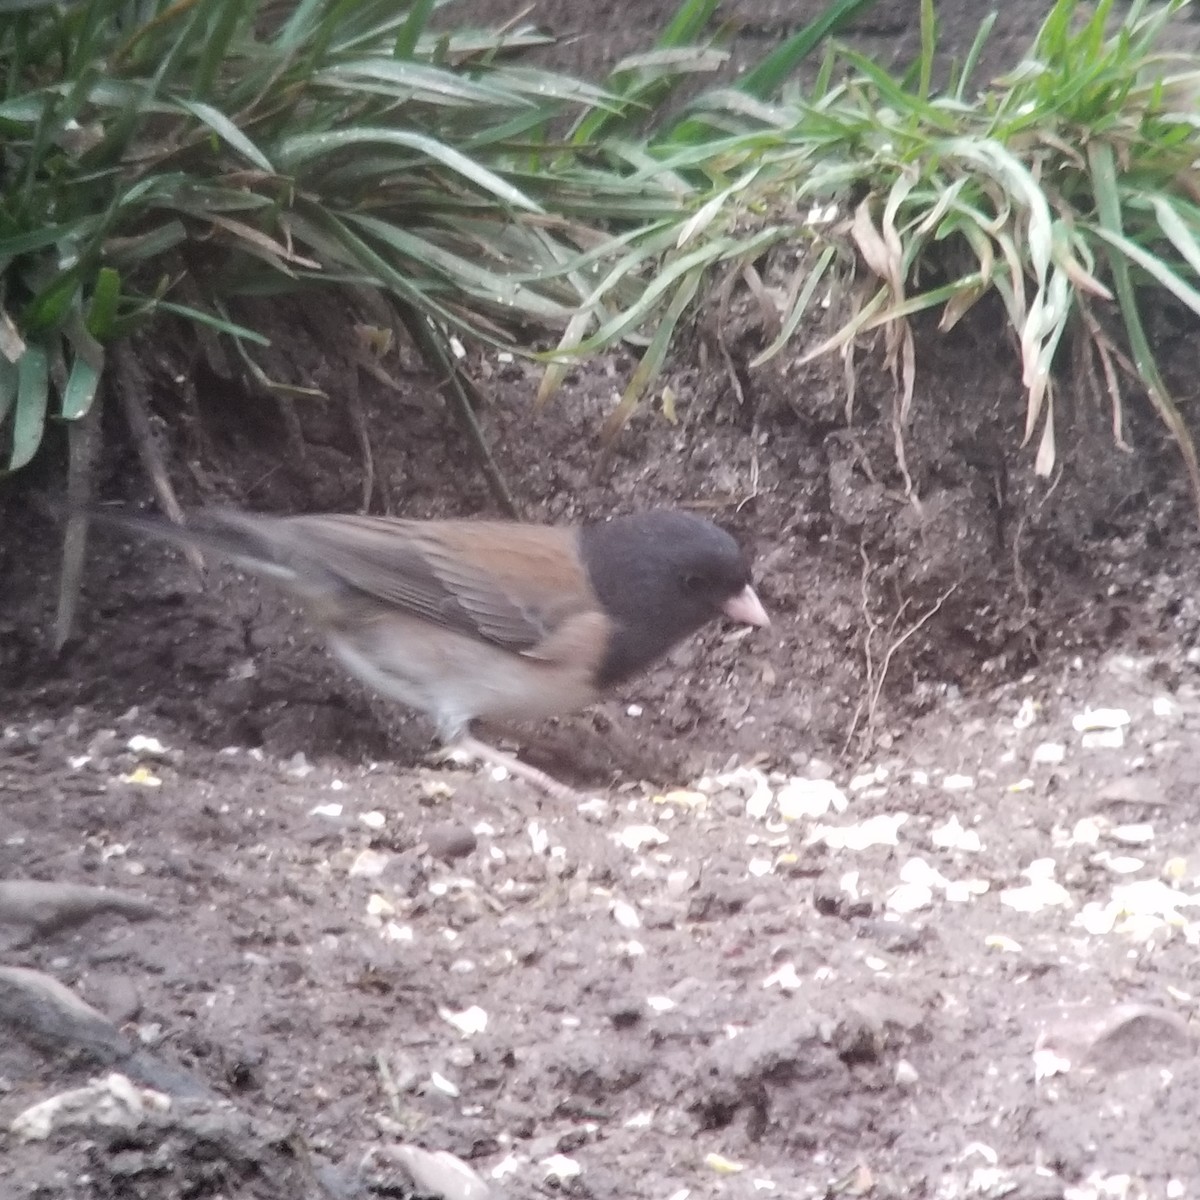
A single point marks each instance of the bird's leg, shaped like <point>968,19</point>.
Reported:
<point>473,749</point>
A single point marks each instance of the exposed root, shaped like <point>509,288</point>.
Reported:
<point>878,665</point>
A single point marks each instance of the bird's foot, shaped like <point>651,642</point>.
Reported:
<point>471,750</point>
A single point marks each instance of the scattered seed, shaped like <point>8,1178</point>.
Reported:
<point>1103,739</point>
<point>1100,718</point>
<point>952,836</point>
<point>682,798</point>
<point>141,777</point>
<point>1026,715</point>
<point>723,1165</point>
<point>1042,891</point>
<point>150,746</point>
<point>469,1022</point>
<point>1003,943</point>
<point>784,978</point>
<point>880,830</point>
<point>539,839</point>
<point>638,837</point>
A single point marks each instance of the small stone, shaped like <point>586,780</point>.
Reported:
<point>909,898</point>
<point>1131,789</point>
<point>1138,834</point>
<point>113,1101</point>
<point>561,1168</point>
<point>1116,1038</point>
<point>408,1170</point>
<point>640,837</point>
<point>449,841</point>
<point>625,1015</point>
<point>369,864</point>
<point>594,809</point>
<point>809,798</point>
<point>1049,754</point>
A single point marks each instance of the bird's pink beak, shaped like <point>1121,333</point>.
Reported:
<point>746,609</point>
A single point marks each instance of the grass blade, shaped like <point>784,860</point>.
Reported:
<point>29,416</point>
<point>1103,166</point>
<point>766,78</point>
<point>80,390</point>
<point>304,148</point>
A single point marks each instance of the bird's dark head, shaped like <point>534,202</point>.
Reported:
<point>660,576</point>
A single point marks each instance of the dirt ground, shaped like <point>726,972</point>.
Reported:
<point>898,898</point>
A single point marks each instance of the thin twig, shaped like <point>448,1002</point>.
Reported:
<point>131,390</point>
<point>359,418</point>
<point>388,1083</point>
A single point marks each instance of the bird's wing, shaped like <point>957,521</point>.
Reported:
<point>508,584</point>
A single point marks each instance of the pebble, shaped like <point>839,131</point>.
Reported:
<point>1049,754</point>
<point>449,841</point>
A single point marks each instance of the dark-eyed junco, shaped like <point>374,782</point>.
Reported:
<point>488,619</point>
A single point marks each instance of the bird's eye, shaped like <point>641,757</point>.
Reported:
<point>693,583</point>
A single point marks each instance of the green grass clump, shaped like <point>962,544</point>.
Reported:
<point>1070,188</point>
<point>170,157</point>
<point>167,158</point>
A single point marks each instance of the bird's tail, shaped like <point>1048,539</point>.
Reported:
<point>250,541</point>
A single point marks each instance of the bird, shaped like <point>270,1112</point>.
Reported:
<point>469,620</point>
